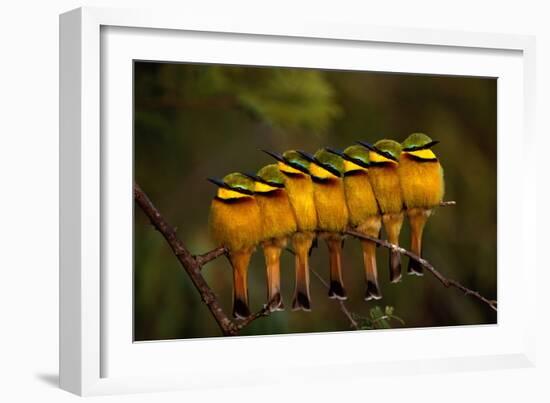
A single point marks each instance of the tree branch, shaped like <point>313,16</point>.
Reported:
<point>193,265</point>
<point>428,266</point>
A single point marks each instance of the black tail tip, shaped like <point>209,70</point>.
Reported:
<point>395,267</point>
<point>414,268</point>
<point>301,302</point>
<point>337,291</point>
<point>373,291</point>
<point>240,309</point>
<point>276,303</point>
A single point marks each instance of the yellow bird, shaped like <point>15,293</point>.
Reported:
<point>364,214</point>
<point>326,170</point>
<point>299,188</point>
<point>278,223</point>
<point>422,186</point>
<point>235,222</point>
<point>384,178</point>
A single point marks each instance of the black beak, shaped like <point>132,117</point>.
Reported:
<point>252,176</point>
<point>377,150</point>
<point>426,146</point>
<point>307,156</point>
<point>333,151</point>
<point>224,185</point>
<point>326,167</point>
<point>278,157</point>
<point>218,182</point>
<point>261,180</point>
<point>367,145</point>
<point>355,161</point>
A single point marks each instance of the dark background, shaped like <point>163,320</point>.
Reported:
<point>196,121</point>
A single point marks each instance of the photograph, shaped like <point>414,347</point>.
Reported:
<point>282,200</point>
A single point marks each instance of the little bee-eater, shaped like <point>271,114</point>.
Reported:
<point>278,223</point>
<point>422,186</point>
<point>235,222</point>
<point>384,178</point>
<point>326,170</point>
<point>299,188</point>
<point>364,214</point>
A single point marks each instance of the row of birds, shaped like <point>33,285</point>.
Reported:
<point>302,196</point>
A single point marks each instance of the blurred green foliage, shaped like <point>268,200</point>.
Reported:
<point>194,121</point>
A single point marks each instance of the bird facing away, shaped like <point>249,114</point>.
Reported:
<point>422,186</point>
<point>384,178</point>
<point>278,223</point>
<point>235,222</point>
<point>364,214</point>
<point>326,170</point>
<point>299,188</point>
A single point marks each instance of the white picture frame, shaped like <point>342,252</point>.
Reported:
<point>96,356</point>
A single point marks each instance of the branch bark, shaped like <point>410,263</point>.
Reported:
<point>428,266</point>
<point>193,265</point>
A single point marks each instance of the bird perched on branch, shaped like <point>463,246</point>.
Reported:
<point>278,223</point>
<point>235,222</point>
<point>299,188</point>
<point>364,214</point>
<point>422,186</point>
<point>326,170</point>
<point>384,178</point>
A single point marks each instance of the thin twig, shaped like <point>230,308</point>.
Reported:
<point>265,311</point>
<point>447,203</point>
<point>427,265</point>
<point>209,256</point>
<point>342,304</point>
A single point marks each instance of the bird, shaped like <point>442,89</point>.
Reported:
<point>299,188</point>
<point>384,178</point>
<point>326,170</point>
<point>235,223</point>
<point>422,187</point>
<point>278,223</point>
<point>364,213</point>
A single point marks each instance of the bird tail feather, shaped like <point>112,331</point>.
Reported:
<point>417,220</point>
<point>272,255</point>
<point>371,273</point>
<point>240,261</point>
<point>336,289</point>
<point>302,243</point>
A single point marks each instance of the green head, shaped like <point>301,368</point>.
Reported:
<point>388,148</point>
<point>418,141</point>
<point>268,179</point>
<point>271,175</point>
<point>296,161</point>
<point>357,154</point>
<point>324,164</point>
<point>291,162</point>
<point>329,161</point>
<point>234,185</point>
<point>355,158</point>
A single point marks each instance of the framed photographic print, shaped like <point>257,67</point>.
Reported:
<point>260,193</point>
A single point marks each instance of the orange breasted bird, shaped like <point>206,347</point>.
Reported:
<point>364,214</point>
<point>278,223</point>
<point>326,170</point>
<point>299,188</point>
<point>422,186</point>
<point>384,178</point>
<point>235,222</point>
